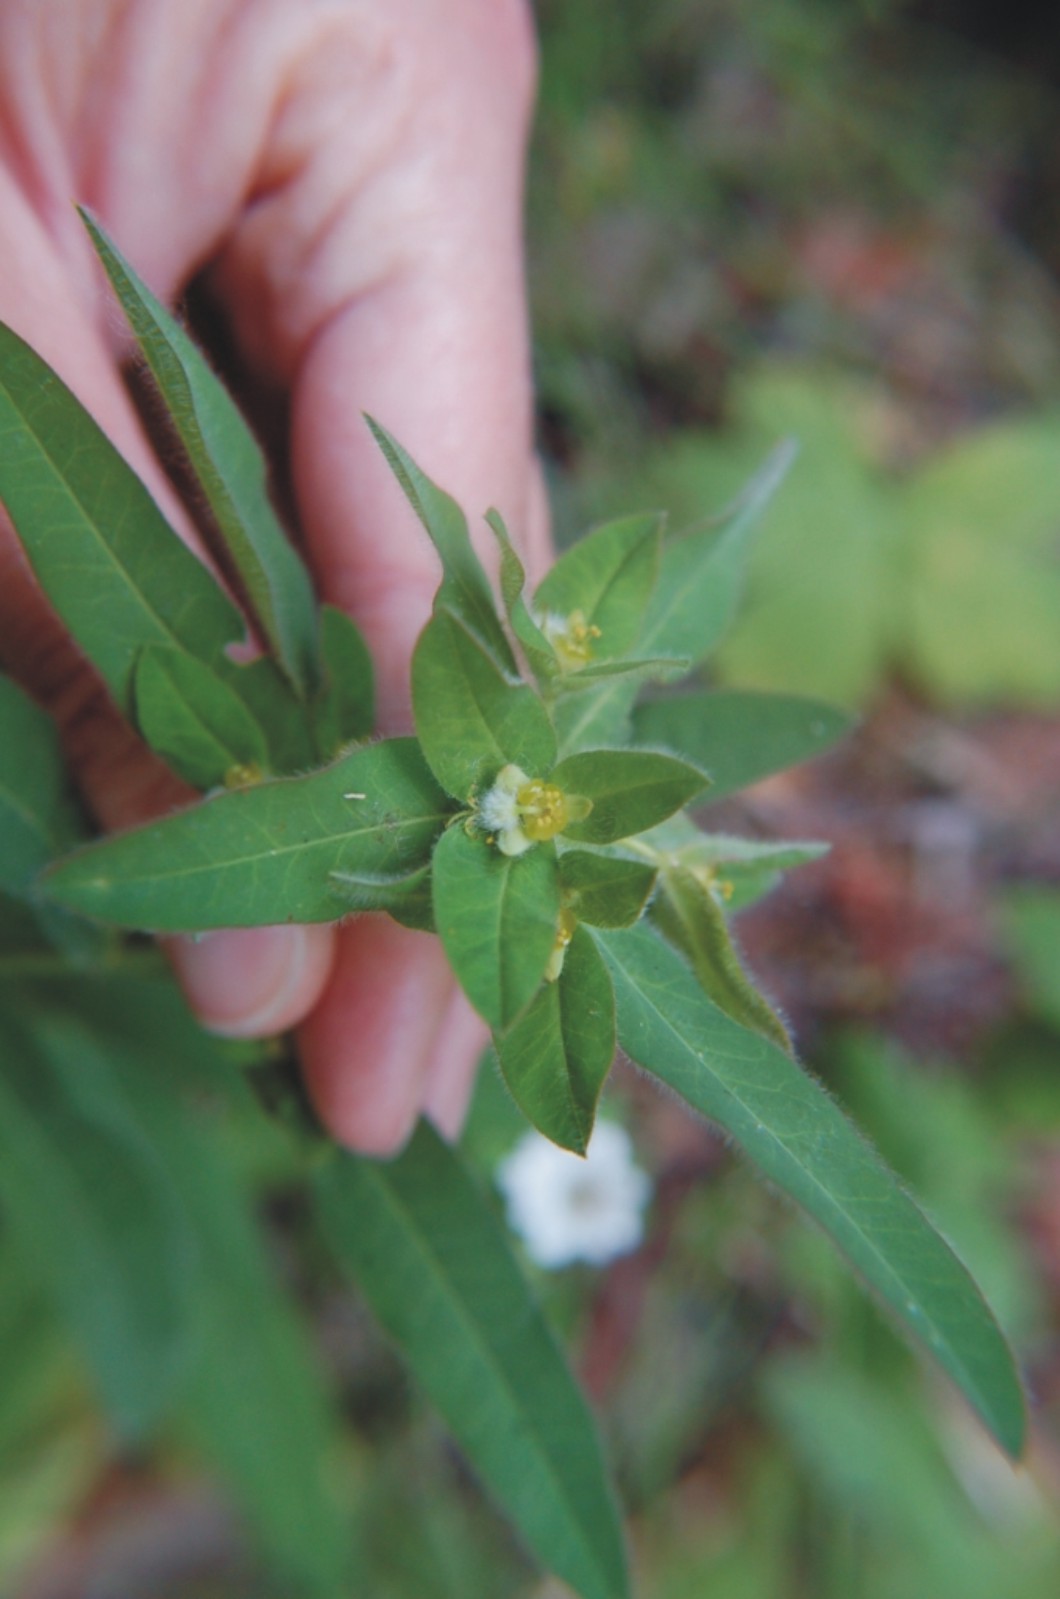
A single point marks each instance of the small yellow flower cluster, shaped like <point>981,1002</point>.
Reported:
<point>520,811</point>
<point>571,637</point>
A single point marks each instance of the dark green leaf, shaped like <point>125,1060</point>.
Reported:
<point>605,890</point>
<point>465,588</point>
<point>94,1213</point>
<point>228,470</point>
<point>471,717</point>
<point>556,1056</point>
<point>608,576</point>
<point>407,897</point>
<point>38,818</point>
<point>803,1143</point>
<point>630,790</point>
<point>690,917</point>
<point>700,578</point>
<point>193,719</point>
<point>497,919</point>
<point>740,737</point>
<point>431,1259</point>
<point>110,564</point>
<point>278,711</point>
<point>264,854</point>
<point>344,709</point>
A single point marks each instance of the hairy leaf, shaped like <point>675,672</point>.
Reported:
<point>497,918</point>
<point>229,472</point>
<point>535,645</point>
<point>605,890</point>
<point>432,1261</point>
<point>193,719</point>
<point>608,576</point>
<point>740,737</point>
<point>630,790</point>
<point>802,1142</point>
<point>344,708</point>
<point>473,719</point>
<point>556,1056</point>
<point>264,854</point>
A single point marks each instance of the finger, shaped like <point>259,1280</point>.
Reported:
<point>451,1070</point>
<point>368,1045</point>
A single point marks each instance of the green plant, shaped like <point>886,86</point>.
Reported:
<point>534,823</point>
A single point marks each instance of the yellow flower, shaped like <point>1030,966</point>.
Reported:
<point>571,637</point>
<point>520,811</point>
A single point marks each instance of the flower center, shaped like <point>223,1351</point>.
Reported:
<point>543,810</point>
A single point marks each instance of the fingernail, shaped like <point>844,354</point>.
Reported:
<point>240,982</point>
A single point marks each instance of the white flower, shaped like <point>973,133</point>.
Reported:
<point>567,1208</point>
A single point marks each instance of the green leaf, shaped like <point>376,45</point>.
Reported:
<point>465,588</point>
<point>802,1142</point>
<point>630,791</point>
<point>110,564</point>
<point>557,1055</point>
<point>699,584</point>
<point>255,1400</point>
<point>406,897</point>
<point>430,1257</point>
<point>264,854</point>
<point>535,645</point>
<point>608,576</point>
<point>94,1214</point>
<point>687,913</point>
<point>497,918</point>
<point>740,737</point>
<point>228,470</point>
<point>473,719</point>
<point>344,709</point>
<point>278,711</point>
<point>1030,918</point>
<point>605,890</point>
<point>193,719</point>
<point>38,818</point>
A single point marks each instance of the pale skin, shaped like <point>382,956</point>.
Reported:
<point>349,174</point>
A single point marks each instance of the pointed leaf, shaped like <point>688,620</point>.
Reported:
<point>687,913</point>
<point>605,890</point>
<point>700,579</point>
<point>278,711</point>
<point>193,719</point>
<point>228,469</point>
<point>654,668</point>
<point>608,576</point>
<point>630,790</point>
<point>497,919</point>
<point>344,708</point>
<point>556,1057</point>
<point>265,854</point>
<point>472,719</point>
<point>94,1214</point>
<point>404,896</point>
<point>802,1142</point>
<point>740,737</point>
<point>535,645</point>
<point>102,551</point>
<point>432,1261</point>
<point>38,817</point>
<point>465,588</point>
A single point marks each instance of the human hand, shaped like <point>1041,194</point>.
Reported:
<point>350,177</point>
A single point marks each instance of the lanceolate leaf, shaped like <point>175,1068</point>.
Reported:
<point>630,790</point>
<point>605,890</point>
<point>700,577</point>
<point>193,719</point>
<point>608,576</point>
<point>264,854</point>
<point>406,897</point>
<point>740,737</point>
<point>108,561</point>
<point>344,707</point>
<point>427,1253</point>
<point>497,918</point>
<point>802,1142</point>
<point>471,717</point>
<point>536,647</point>
<point>38,818</point>
<point>556,1056</point>
<point>94,1213</point>
<point>465,588</point>
<point>228,469</point>
<point>690,917</point>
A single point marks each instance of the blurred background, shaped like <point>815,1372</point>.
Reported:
<point>838,222</point>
